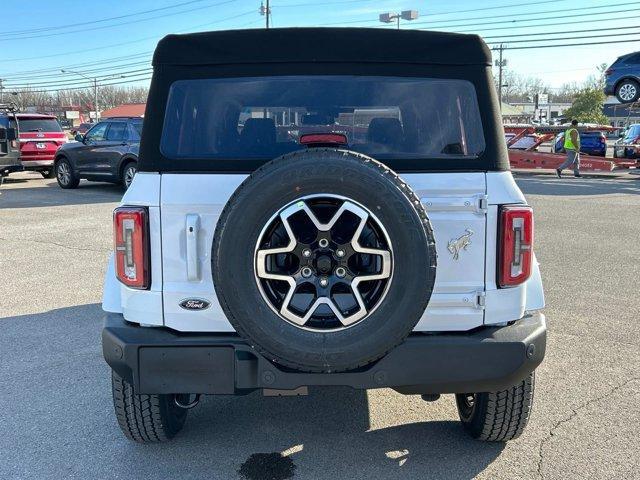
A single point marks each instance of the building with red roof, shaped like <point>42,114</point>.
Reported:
<point>125,110</point>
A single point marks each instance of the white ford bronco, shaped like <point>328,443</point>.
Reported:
<point>319,207</point>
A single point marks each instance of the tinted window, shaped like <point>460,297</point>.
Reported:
<point>386,117</point>
<point>39,125</point>
<point>117,131</point>
<point>137,127</point>
<point>97,133</point>
<point>633,59</point>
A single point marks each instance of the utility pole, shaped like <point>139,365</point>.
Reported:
<point>266,12</point>
<point>95,97</point>
<point>500,63</point>
<point>95,85</point>
<point>1,90</point>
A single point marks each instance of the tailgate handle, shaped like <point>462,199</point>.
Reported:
<point>192,228</point>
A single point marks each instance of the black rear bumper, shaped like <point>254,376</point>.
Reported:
<point>159,360</point>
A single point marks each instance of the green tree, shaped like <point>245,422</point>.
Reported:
<point>587,106</point>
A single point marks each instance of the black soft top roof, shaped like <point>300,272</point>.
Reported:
<point>294,45</point>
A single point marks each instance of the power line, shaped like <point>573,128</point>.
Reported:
<point>119,24</point>
<point>315,4</point>
<point>568,38</point>
<point>546,24</point>
<point>93,22</point>
<point>78,82</point>
<point>511,15</point>
<point>83,65</point>
<point>108,60</point>
<point>28,90</point>
<point>572,44</point>
<point>456,12</point>
<point>94,70</point>
<point>560,33</point>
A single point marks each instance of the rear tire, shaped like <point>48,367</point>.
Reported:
<point>628,91</point>
<point>146,418</point>
<point>497,416</point>
<point>65,174</point>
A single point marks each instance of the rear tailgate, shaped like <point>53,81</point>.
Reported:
<point>40,145</point>
<point>455,202</point>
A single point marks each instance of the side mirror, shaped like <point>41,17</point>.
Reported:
<point>79,137</point>
<point>621,134</point>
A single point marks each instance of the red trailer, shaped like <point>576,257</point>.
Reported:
<point>532,159</point>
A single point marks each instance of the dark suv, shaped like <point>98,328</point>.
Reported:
<point>9,146</point>
<point>623,78</point>
<point>108,152</point>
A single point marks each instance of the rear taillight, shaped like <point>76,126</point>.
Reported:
<point>131,234</point>
<point>608,71</point>
<point>516,245</point>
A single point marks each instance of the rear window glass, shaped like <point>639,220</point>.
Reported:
<point>386,117</point>
<point>39,125</point>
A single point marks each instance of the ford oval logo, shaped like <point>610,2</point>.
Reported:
<point>194,304</point>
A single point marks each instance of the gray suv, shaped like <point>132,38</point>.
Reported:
<point>623,78</point>
<point>108,152</point>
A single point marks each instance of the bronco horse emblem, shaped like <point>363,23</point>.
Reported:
<point>460,243</point>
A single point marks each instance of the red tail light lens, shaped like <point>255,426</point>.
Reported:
<point>131,234</point>
<point>516,245</point>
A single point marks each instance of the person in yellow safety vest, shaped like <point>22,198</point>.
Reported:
<point>572,147</point>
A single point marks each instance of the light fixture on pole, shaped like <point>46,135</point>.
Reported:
<point>390,17</point>
<point>265,11</point>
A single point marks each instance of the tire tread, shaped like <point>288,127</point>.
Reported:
<point>503,415</point>
<point>141,418</point>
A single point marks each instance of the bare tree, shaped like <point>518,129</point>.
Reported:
<point>109,96</point>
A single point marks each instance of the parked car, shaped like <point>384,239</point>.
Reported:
<point>628,146</point>
<point>82,128</point>
<point>108,152</point>
<point>265,262</point>
<point>40,138</point>
<point>523,143</point>
<point>623,78</point>
<point>9,145</point>
<point>591,143</point>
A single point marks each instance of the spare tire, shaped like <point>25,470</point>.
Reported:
<point>324,260</point>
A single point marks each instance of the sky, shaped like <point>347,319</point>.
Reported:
<point>114,39</point>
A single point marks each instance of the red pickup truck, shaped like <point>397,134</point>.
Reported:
<point>40,136</point>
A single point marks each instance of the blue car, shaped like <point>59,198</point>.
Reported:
<point>623,78</point>
<point>629,144</point>
<point>591,143</point>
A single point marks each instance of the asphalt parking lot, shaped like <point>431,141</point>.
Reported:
<point>55,401</point>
